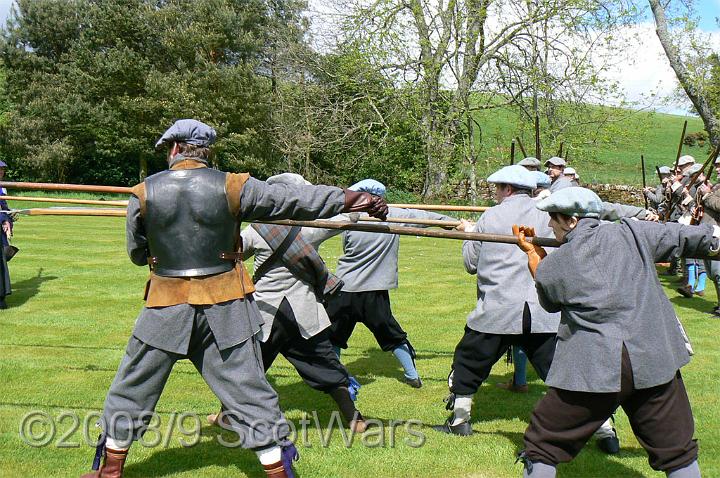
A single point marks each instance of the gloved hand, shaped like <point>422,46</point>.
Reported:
<point>535,253</point>
<point>375,206</point>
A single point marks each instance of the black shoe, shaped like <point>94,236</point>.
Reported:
<point>685,291</point>
<point>461,429</point>
<point>610,445</point>
<point>3,305</point>
<point>414,383</point>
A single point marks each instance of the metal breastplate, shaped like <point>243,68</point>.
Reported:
<point>188,222</point>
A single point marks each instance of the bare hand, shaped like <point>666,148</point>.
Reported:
<point>651,216</point>
<point>7,228</point>
<point>465,225</point>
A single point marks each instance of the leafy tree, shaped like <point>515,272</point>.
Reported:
<point>93,83</point>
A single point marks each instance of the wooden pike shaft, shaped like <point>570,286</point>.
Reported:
<point>324,224</point>
<point>679,151</point>
<point>90,202</point>
<point>538,151</point>
<point>423,222</point>
<point>107,212</point>
<point>441,207</point>
<point>642,164</point>
<point>415,231</point>
<point>512,152</point>
<point>522,148</point>
<point>66,187</point>
<point>122,190</point>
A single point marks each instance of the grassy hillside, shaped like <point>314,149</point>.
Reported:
<point>615,159</point>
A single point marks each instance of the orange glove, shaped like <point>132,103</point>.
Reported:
<point>535,253</point>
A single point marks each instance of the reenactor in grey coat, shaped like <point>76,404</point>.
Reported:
<point>656,195</point>
<point>369,270</point>
<point>555,169</point>
<point>507,312</point>
<point>619,342</point>
<point>291,285</point>
<point>184,223</point>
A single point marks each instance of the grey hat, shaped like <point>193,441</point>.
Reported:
<point>664,169</point>
<point>542,179</point>
<point>514,175</point>
<point>693,169</point>
<point>188,131</point>
<point>3,164</point>
<point>574,202</point>
<point>555,161</point>
<point>687,159</point>
<point>530,161</point>
<point>288,178</point>
<point>369,186</point>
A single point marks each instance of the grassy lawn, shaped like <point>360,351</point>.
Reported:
<point>75,299</point>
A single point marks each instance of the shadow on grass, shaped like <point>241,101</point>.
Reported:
<point>696,303</point>
<point>206,453</point>
<point>26,289</point>
<point>377,362</point>
<point>589,458</point>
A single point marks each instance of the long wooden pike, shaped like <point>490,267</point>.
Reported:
<point>423,222</point>
<point>441,207</point>
<point>560,151</point>
<point>322,224</point>
<point>538,152</point>
<point>642,164</point>
<point>69,211</point>
<point>679,150</point>
<point>522,148</point>
<point>66,187</point>
<point>415,231</point>
<point>90,202</point>
<point>512,152</point>
<point>122,190</point>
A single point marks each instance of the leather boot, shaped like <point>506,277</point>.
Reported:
<point>283,468</point>
<point>276,470</point>
<point>112,466</point>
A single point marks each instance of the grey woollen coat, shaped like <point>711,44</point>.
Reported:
<point>604,282</point>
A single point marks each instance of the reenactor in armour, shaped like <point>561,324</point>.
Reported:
<point>185,223</point>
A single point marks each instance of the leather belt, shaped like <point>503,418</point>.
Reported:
<point>231,256</point>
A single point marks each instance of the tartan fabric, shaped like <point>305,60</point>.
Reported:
<point>301,259</point>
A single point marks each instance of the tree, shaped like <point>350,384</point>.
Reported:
<point>457,54</point>
<point>93,83</point>
<point>692,80</point>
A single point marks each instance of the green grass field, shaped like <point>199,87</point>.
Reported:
<point>75,299</point>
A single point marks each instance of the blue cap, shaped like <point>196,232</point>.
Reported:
<point>514,175</point>
<point>188,131</point>
<point>288,178</point>
<point>574,202</point>
<point>369,186</point>
<point>2,164</point>
<point>542,179</point>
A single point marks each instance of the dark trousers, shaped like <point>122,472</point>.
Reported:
<point>371,308</point>
<point>477,352</point>
<point>313,358</point>
<point>660,417</point>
